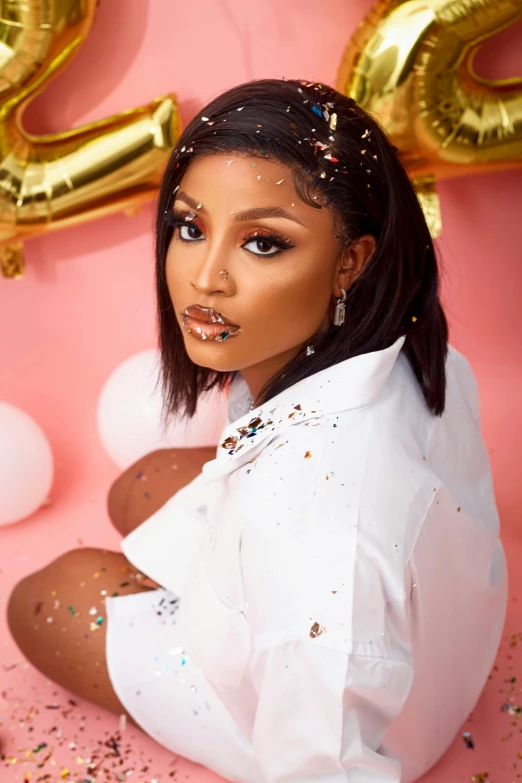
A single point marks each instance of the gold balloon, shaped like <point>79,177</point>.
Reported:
<point>409,64</point>
<point>48,182</point>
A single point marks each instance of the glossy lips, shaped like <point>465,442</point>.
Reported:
<point>204,323</point>
<point>207,314</point>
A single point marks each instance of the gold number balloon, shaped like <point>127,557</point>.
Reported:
<point>58,180</point>
<point>410,65</point>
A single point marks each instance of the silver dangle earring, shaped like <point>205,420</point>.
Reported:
<point>340,309</point>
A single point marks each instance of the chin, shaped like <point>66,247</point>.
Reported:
<point>214,356</point>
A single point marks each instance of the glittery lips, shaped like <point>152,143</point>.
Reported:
<point>204,323</point>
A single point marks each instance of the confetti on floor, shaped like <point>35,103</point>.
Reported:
<point>48,735</point>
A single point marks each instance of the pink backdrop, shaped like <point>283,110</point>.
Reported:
<point>86,304</point>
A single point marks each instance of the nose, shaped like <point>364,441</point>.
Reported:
<point>213,272</point>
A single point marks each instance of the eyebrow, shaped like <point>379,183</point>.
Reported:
<point>248,214</point>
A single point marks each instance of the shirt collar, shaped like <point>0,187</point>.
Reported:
<point>239,399</point>
<point>350,384</point>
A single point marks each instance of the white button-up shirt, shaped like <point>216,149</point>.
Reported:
<point>343,585</point>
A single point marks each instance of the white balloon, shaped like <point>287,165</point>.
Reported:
<point>129,412</point>
<point>26,465</point>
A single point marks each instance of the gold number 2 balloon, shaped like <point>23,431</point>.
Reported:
<point>410,65</point>
<point>48,182</point>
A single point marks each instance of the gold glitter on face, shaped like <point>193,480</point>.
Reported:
<point>271,273</point>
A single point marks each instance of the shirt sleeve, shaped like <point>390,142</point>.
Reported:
<point>165,545</point>
<point>322,713</point>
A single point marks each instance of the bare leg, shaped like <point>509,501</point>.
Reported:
<point>150,481</point>
<point>52,619</point>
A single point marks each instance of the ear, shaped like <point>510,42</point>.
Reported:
<point>353,261</point>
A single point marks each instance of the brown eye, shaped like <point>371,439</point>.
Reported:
<point>267,245</point>
<point>264,246</point>
<point>192,232</point>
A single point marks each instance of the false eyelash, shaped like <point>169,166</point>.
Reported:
<point>175,219</point>
<point>283,244</point>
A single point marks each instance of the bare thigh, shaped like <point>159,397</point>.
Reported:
<point>57,618</point>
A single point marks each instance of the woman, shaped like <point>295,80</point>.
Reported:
<point>329,591</point>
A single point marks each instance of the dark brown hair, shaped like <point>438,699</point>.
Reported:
<point>347,163</point>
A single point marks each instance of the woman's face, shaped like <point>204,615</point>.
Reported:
<point>273,275</point>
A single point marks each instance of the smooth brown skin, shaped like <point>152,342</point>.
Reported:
<point>280,300</point>
<point>66,650</point>
<point>164,472</point>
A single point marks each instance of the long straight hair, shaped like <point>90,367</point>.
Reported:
<point>341,158</point>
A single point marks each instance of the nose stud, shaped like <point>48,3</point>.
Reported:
<point>224,272</point>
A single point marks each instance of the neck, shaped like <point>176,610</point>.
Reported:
<point>258,374</point>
